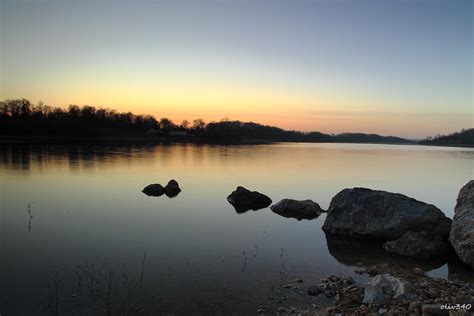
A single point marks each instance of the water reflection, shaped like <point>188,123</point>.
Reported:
<point>353,252</point>
<point>86,201</point>
<point>30,217</point>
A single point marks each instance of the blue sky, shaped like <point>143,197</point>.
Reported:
<point>391,67</point>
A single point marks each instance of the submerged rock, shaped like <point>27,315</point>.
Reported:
<point>421,245</point>
<point>367,253</point>
<point>366,213</point>
<point>386,286</point>
<point>244,200</point>
<point>172,188</point>
<point>306,209</point>
<point>462,229</point>
<point>154,190</point>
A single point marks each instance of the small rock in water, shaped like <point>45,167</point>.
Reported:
<point>244,200</point>
<point>155,189</point>
<point>306,209</point>
<point>299,280</point>
<point>172,189</point>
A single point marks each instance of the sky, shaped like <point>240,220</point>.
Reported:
<point>393,67</point>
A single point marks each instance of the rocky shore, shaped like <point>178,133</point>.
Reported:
<point>388,223</point>
<point>391,290</point>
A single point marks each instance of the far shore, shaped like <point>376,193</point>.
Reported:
<point>182,139</point>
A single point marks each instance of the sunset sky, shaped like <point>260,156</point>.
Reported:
<point>389,67</point>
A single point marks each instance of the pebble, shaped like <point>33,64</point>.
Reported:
<point>419,271</point>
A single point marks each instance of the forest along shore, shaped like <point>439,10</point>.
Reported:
<point>21,120</point>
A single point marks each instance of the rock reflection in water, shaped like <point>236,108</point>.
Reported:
<point>369,252</point>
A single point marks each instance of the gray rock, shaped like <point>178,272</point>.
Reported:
<point>462,229</point>
<point>154,190</point>
<point>382,311</point>
<point>414,305</point>
<point>244,200</point>
<point>314,291</point>
<point>384,287</point>
<point>306,209</point>
<point>421,245</point>
<point>366,213</point>
<point>172,188</point>
<point>419,271</point>
<point>433,309</point>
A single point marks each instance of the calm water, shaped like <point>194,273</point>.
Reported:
<point>64,206</point>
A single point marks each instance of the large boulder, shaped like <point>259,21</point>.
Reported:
<point>384,287</point>
<point>155,189</point>
<point>172,188</point>
<point>366,213</point>
<point>421,245</point>
<point>244,200</point>
<point>306,209</point>
<point>462,229</point>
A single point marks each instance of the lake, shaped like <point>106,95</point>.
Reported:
<point>77,233</point>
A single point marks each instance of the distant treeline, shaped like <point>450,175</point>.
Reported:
<point>19,117</point>
<point>463,138</point>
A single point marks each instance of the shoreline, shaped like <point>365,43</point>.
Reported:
<point>403,291</point>
<point>185,139</point>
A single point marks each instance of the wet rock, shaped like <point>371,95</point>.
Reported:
<point>366,213</point>
<point>154,190</point>
<point>419,271</point>
<point>414,305</point>
<point>244,200</point>
<point>421,245</point>
<point>314,291</point>
<point>383,287</point>
<point>433,309</point>
<point>172,189</point>
<point>306,209</point>
<point>462,229</point>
